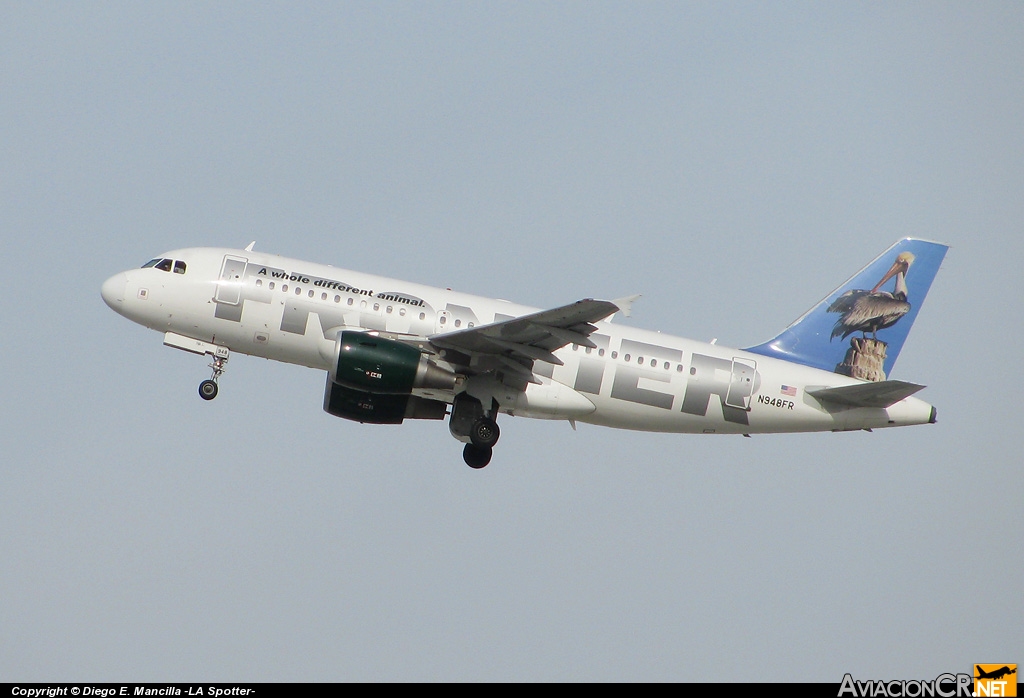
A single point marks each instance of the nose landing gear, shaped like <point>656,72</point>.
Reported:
<point>208,388</point>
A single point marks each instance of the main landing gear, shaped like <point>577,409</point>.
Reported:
<point>208,388</point>
<point>475,456</point>
<point>471,424</point>
<point>483,435</point>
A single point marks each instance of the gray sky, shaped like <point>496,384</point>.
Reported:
<point>732,162</point>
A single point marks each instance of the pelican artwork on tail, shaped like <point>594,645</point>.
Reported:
<point>874,310</point>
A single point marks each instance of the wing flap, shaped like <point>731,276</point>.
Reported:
<point>877,394</point>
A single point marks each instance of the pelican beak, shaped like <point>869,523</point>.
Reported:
<point>901,265</point>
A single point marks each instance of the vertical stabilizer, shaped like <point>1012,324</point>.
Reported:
<point>859,329</point>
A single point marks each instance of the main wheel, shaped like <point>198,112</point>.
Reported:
<point>207,390</point>
<point>475,456</point>
<point>484,433</point>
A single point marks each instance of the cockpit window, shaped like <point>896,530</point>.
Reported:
<point>166,265</point>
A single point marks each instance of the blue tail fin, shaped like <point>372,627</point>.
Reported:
<point>874,309</point>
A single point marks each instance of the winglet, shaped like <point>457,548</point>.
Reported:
<point>625,305</point>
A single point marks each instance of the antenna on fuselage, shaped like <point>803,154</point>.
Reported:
<point>248,248</point>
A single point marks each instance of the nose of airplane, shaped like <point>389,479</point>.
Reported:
<point>113,291</point>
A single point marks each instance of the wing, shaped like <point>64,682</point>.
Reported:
<point>845,302</point>
<point>876,307</point>
<point>515,344</point>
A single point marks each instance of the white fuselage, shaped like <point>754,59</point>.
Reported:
<point>290,310</point>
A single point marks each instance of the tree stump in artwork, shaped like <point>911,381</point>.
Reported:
<point>865,359</point>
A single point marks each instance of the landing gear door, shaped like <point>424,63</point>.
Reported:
<point>229,287</point>
<point>741,386</point>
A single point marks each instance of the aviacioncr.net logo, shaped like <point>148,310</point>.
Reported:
<point>995,680</point>
<point>943,686</point>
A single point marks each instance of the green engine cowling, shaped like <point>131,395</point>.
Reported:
<point>372,381</point>
<point>378,408</point>
<point>373,364</point>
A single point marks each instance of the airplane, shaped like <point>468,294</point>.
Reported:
<point>994,674</point>
<point>394,350</point>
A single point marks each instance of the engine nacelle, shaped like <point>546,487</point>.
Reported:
<point>371,364</point>
<point>380,381</point>
<point>378,408</point>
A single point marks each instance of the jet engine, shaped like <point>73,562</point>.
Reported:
<point>381,381</point>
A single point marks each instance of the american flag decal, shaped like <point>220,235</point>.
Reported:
<point>789,390</point>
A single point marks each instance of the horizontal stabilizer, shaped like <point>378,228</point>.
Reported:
<point>878,394</point>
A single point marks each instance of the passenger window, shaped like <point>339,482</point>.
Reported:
<point>350,301</point>
<point>458,323</point>
<point>615,354</point>
<point>626,357</point>
<point>390,308</point>
<point>310,294</point>
<point>376,306</point>
<point>423,316</point>
<point>337,299</point>
<point>164,265</point>
<point>666,365</point>
<point>259,282</point>
<point>323,296</point>
<point>179,267</point>
<point>284,288</point>
<point>271,285</point>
